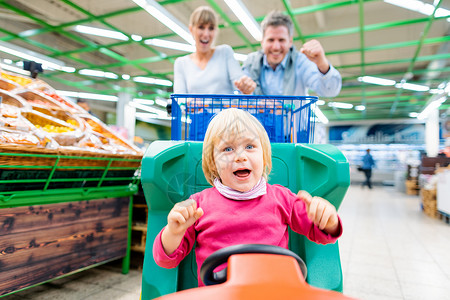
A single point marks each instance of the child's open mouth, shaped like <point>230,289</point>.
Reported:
<point>242,173</point>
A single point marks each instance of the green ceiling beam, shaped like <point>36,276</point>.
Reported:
<point>435,40</point>
<point>375,100</point>
<point>40,45</point>
<point>37,20</point>
<point>118,44</point>
<point>397,61</point>
<point>387,74</point>
<point>362,54</point>
<point>381,114</point>
<point>416,53</point>
<point>105,50</point>
<point>31,42</point>
<point>355,30</point>
<point>369,94</point>
<point>287,6</point>
<point>90,81</point>
<point>372,27</point>
<point>76,84</point>
<point>381,47</point>
<point>33,32</point>
<point>325,6</point>
<point>144,61</point>
<point>84,85</point>
<point>93,17</point>
<point>45,24</point>
<point>418,104</point>
<point>387,105</point>
<point>90,45</point>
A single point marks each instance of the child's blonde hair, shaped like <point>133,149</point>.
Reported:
<point>232,122</point>
<point>203,15</point>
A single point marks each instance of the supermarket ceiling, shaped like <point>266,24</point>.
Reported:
<point>361,38</point>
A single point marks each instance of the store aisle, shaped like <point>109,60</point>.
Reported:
<point>390,250</point>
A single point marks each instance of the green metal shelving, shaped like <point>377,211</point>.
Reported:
<point>65,179</point>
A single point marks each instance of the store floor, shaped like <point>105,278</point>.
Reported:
<point>390,250</point>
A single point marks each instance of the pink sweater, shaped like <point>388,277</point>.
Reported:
<point>226,222</point>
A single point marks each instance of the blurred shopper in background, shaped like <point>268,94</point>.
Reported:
<point>368,164</point>
<point>279,69</point>
<point>85,105</point>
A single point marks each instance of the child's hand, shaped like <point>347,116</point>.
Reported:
<point>182,216</point>
<point>321,212</point>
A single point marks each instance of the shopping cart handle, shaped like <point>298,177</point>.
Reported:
<point>323,171</point>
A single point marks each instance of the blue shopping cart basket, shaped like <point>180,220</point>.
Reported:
<point>287,119</point>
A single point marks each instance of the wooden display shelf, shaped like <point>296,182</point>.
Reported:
<point>43,242</point>
<point>138,237</point>
<point>412,187</point>
<point>429,203</point>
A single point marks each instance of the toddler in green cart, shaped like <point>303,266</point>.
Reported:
<point>240,207</point>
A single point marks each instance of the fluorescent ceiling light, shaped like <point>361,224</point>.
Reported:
<point>101,32</point>
<point>183,47</point>
<point>320,115</point>
<point>136,38</point>
<point>148,109</point>
<point>68,69</point>
<point>161,102</point>
<point>420,7</point>
<point>245,17</point>
<point>320,102</point>
<point>144,101</point>
<point>47,62</point>
<point>412,87</point>
<point>430,107</point>
<point>97,73</point>
<point>340,105</point>
<point>165,17</point>
<point>447,88</point>
<point>413,114</point>
<point>360,107</point>
<point>376,80</point>
<point>170,45</point>
<point>87,96</point>
<point>150,80</point>
<point>146,116</point>
<point>126,76</point>
<point>7,61</point>
<point>14,69</point>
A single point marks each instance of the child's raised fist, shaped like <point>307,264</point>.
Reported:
<point>182,216</point>
<point>321,212</point>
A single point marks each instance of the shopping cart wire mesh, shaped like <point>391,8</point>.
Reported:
<point>287,119</point>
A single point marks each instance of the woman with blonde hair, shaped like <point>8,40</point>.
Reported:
<point>210,69</point>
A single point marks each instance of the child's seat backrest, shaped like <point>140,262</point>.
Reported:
<point>172,171</point>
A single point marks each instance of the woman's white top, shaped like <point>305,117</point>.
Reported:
<point>217,78</point>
